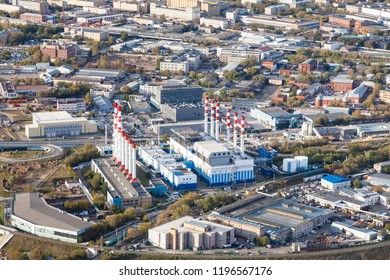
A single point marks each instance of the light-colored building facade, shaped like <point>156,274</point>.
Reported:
<point>334,182</point>
<point>71,105</point>
<point>31,214</point>
<point>186,14</point>
<point>187,232</point>
<point>41,7</point>
<point>58,124</point>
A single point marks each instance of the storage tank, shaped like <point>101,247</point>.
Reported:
<point>302,163</point>
<point>289,165</point>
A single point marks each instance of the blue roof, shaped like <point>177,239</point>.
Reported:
<point>335,178</point>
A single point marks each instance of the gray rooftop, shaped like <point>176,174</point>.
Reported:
<point>33,208</point>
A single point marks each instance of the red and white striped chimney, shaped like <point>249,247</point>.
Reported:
<point>130,158</point>
<point>217,122</point>
<point>134,161</point>
<point>235,127</point>
<point>125,155</point>
<point>114,131</point>
<point>212,127</point>
<point>206,115</point>
<point>242,135</point>
<point>118,136</point>
<point>228,128</point>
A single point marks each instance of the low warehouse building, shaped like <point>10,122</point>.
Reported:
<point>31,213</point>
<point>334,182</point>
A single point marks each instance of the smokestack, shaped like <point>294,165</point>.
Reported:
<point>129,156</point>
<point>212,127</point>
<point>242,135</point>
<point>114,132</point>
<point>228,128</point>
<point>118,137</point>
<point>134,161</point>
<point>217,123</point>
<point>126,152</point>
<point>206,115</point>
<point>235,127</point>
<point>122,150</point>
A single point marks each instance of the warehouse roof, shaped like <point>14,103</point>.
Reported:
<point>33,208</point>
<point>335,179</point>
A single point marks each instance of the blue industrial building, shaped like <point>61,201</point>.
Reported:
<point>267,152</point>
<point>156,187</point>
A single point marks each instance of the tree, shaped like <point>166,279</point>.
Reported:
<point>37,254</point>
<point>387,227</point>
<point>263,240</point>
<point>79,254</point>
<point>377,188</point>
<point>357,184</point>
<point>165,138</point>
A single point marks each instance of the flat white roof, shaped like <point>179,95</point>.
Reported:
<point>53,117</point>
<point>208,147</point>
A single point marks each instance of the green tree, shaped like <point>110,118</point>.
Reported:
<point>357,184</point>
<point>78,254</point>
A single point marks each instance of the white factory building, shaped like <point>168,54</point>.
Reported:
<point>31,213</point>
<point>175,172</point>
<point>296,164</point>
<point>187,232</point>
<point>58,124</point>
<point>219,163</point>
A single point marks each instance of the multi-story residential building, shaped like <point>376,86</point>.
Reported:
<point>71,105</point>
<point>58,50</point>
<point>9,8</point>
<point>86,3</point>
<point>35,18</point>
<point>187,14</point>
<point>384,96</point>
<point>126,5</point>
<point>274,9</point>
<point>41,7</point>
<point>226,54</point>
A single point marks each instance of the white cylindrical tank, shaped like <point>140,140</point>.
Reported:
<point>302,163</point>
<point>289,165</point>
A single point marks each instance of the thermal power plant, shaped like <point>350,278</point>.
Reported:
<point>206,115</point>
<point>302,163</point>
<point>290,165</point>
<point>120,172</point>
<point>217,162</point>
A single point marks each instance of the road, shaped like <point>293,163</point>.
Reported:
<point>58,142</point>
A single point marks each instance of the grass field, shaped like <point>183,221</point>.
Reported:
<point>18,245</point>
<point>24,154</point>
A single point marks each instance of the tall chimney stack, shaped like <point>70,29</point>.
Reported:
<point>242,135</point>
<point>206,115</point>
<point>212,125</point>
<point>217,123</point>
<point>126,152</point>
<point>114,131</point>
<point>118,136</point>
<point>134,161</point>
<point>129,156</point>
<point>123,154</point>
<point>228,128</point>
<point>235,127</point>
